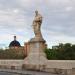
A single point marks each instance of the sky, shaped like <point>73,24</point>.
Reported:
<point>16,18</point>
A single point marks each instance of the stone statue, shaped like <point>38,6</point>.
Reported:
<point>37,25</point>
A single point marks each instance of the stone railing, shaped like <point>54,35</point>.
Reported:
<point>64,67</point>
<point>11,64</point>
<point>61,64</point>
<point>54,66</point>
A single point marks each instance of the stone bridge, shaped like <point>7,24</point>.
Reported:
<point>65,67</point>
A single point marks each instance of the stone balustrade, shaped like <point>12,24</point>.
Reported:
<point>61,64</point>
<point>11,64</point>
<point>54,66</point>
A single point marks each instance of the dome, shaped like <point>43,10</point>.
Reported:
<point>14,43</point>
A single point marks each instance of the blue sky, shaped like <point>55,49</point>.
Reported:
<point>16,17</point>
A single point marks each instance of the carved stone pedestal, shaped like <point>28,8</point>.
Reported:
<point>36,59</point>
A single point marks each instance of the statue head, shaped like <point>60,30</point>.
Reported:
<point>36,12</point>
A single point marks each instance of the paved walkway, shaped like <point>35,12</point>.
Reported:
<point>19,72</point>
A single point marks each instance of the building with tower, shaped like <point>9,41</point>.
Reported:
<point>14,43</point>
<point>17,46</point>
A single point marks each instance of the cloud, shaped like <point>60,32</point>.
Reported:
<point>16,18</point>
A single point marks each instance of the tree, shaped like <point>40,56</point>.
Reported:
<point>12,54</point>
<point>50,54</point>
<point>62,52</point>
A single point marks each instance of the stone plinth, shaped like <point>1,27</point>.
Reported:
<point>36,58</point>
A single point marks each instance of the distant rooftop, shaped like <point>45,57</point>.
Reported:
<point>14,43</point>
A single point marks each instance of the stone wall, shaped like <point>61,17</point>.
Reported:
<point>61,64</point>
<point>66,67</point>
<point>11,64</point>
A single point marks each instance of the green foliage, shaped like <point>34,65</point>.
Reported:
<point>51,54</point>
<point>61,52</point>
<point>12,54</point>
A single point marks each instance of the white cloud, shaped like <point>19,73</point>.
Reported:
<point>69,8</point>
<point>16,17</point>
